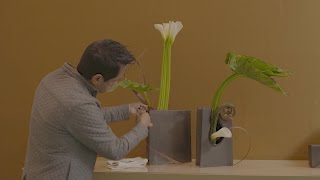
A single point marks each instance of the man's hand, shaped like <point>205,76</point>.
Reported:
<point>144,119</point>
<point>136,108</point>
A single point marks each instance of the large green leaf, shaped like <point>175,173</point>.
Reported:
<point>256,69</point>
<point>140,88</point>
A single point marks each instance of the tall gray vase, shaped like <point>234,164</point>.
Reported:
<point>208,154</point>
<point>169,139</point>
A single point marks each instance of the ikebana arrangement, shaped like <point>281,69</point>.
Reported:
<point>168,32</point>
<point>250,67</point>
<point>170,138</point>
<point>215,122</point>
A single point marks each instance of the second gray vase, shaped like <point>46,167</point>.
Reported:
<point>208,154</point>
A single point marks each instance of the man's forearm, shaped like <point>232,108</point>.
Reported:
<point>116,113</point>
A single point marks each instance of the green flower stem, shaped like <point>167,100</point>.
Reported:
<point>169,45</point>
<point>215,103</point>
<point>163,103</point>
<point>163,74</point>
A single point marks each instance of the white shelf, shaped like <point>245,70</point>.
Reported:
<point>254,168</point>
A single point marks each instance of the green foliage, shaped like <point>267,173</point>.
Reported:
<point>256,69</point>
<point>163,103</point>
<point>250,67</point>
<point>139,89</point>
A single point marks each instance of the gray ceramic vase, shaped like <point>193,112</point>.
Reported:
<point>208,154</point>
<point>169,139</point>
<point>314,155</point>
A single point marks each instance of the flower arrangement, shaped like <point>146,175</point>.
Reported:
<point>169,32</point>
<point>243,66</point>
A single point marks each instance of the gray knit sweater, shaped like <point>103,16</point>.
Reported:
<point>68,128</point>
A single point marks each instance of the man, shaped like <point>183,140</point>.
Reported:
<point>68,126</point>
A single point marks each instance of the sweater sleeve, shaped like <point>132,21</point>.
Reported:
<point>87,124</point>
<point>116,113</point>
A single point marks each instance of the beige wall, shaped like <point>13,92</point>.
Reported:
<point>37,37</point>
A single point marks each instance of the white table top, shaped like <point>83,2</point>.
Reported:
<point>245,168</point>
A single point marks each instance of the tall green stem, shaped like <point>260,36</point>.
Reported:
<point>163,74</point>
<point>163,103</point>
<point>168,75</point>
<point>215,103</point>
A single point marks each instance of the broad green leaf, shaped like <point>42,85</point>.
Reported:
<point>256,69</point>
<point>140,88</point>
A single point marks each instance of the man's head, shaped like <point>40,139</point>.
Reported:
<point>103,63</point>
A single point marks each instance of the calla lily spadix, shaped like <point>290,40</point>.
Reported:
<point>169,32</point>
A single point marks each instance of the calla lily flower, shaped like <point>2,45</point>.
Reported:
<point>169,30</point>
<point>223,132</point>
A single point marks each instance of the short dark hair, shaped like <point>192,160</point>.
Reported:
<point>104,57</point>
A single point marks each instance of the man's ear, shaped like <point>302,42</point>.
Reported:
<point>97,79</point>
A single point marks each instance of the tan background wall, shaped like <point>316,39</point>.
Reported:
<point>38,36</point>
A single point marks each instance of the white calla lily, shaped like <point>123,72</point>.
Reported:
<point>169,30</point>
<point>175,29</point>
<point>223,132</point>
<point>161,29</point>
